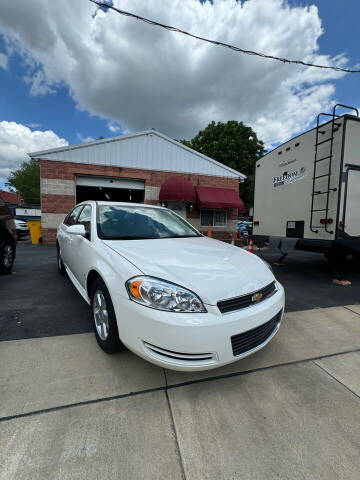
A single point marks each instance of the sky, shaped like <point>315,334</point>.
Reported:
<point>70,72</point>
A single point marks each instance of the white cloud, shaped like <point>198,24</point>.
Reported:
<point>113,127</point>
<point>3,61</point>
<point>16,140</point>
<point>84,139</point>
<point>141,76</point>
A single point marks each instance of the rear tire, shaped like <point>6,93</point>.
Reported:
<point>104,318</point>
<point>7,256</point>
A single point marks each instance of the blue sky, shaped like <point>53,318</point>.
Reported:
<point>57,112</point>
<point>57,109</point>
<point>341,34</point>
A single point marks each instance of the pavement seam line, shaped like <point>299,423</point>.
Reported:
<point>168,387</point>
<point>173,427</point>
<point>353,311</point>
<point>336,379</point>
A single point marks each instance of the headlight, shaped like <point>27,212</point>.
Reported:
<point>155,293</point>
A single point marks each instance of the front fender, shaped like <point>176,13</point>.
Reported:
<point>114,270</point>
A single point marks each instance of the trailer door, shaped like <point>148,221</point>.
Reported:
<point>352,203</point>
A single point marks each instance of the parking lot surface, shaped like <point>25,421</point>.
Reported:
<point>38,302</point>
<point>70,411</point>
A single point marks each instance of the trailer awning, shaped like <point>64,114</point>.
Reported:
<point>177,189</point>
<point>225,198</point>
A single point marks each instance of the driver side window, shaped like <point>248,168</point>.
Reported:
<point>71,219</point>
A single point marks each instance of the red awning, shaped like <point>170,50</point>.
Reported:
<point>177,189</point>
<point>213,197</point>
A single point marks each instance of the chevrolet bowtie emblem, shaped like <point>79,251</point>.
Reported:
<point>256,297</point>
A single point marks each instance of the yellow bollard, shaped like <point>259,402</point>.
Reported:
<point>35,231</point>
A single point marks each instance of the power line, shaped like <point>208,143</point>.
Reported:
<point>221,44</point>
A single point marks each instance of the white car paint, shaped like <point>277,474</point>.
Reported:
<point>212,269</point>
<point>22,228</point>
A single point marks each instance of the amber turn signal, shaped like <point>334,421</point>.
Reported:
<point>135,288</point>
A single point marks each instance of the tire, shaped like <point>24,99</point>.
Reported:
<point>105,325</point>
<point>60,264</point>
<point>7,256</point>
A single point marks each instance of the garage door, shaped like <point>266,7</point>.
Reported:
<point>111,189</point>
<point>109,182</point>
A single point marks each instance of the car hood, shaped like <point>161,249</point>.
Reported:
<point>214,270</point>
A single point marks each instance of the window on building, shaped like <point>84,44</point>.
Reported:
<point>214,218</point>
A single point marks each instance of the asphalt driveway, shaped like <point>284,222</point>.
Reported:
<point>70,411</point>
<point>39,302</point>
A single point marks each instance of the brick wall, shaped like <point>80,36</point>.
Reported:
<point>58,191</point>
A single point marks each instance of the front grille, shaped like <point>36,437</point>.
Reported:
<point>245,301</point>
<point>243,342</point>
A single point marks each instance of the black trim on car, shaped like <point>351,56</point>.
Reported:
<point>247,300</point>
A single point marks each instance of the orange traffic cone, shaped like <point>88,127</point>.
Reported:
<point>251,246</point>
<point>209,234</point>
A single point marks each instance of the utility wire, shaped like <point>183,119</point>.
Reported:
<point>221,44</point>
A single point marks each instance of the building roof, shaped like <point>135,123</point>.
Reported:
<point>148,150</point>
<point>10,197</point>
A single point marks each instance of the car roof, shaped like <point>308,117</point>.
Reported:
<point>121,204</point>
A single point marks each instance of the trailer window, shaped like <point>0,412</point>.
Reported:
<point>214,218</point>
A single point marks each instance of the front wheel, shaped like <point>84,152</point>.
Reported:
<point>60,264</point>
<point>104,318</point>
<point>7,256</point>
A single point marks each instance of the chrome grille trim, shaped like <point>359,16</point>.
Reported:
<point>245,301</point>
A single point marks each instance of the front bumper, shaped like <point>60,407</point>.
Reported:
<point>22,231</point>
<point>184,341</point>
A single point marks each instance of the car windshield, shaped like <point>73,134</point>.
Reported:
<point>116,222</point>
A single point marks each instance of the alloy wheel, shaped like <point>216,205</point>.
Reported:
<point>101,317</point>
<point>8,256</point>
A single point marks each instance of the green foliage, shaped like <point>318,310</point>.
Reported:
<point>26,181</point>
<point>235,145</point>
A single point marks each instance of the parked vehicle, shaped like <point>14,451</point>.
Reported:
<point>159,287</point>
<point>22,229</point>
<point>308,189</point>
<point>7,238</point>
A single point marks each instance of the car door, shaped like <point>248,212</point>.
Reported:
<point>64,238</point>
<point>80,247</point>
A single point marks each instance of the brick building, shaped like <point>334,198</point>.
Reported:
<point>143,167</point>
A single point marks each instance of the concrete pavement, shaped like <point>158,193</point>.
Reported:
<point>291,411</point>
<point>292,422</point>
<point>125,439</point>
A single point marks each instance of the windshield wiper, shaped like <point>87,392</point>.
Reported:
<point>127,237</point>
<point>182,236</point>
<point>134,237</point>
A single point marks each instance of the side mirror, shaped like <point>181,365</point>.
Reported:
<point>77,230</point>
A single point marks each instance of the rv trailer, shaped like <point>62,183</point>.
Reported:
<point>308,189</point>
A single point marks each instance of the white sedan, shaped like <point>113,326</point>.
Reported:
<point>159,287</point>
<point>22,228</point>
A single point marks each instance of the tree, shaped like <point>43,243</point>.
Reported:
<point>26,181</point>
<point>235,145</point>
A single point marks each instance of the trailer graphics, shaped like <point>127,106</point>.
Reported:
<point>314,194</point>
<point>291,177</point>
